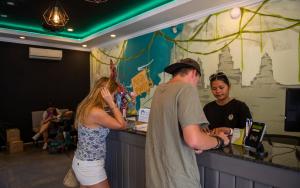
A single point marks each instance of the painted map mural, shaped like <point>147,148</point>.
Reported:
<point>259,51</point>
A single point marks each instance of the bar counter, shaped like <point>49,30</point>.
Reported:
<point>231,167</point>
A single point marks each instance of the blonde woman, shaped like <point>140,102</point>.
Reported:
<point>93,124</point>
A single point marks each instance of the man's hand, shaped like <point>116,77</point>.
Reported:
<point>224,137</point>
<point>205,130</point>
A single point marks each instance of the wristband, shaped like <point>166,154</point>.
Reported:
<point>220,142</point>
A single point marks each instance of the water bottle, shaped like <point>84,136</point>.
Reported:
<point>248,126</point>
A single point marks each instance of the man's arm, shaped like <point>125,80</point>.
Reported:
<point>199,140</point>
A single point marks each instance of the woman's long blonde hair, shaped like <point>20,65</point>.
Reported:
<point>94,99</point>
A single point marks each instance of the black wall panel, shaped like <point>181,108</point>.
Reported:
<point>30,84</point>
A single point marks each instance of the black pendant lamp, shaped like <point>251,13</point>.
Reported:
<point>55,16</point>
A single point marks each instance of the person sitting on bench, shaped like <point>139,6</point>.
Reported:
<point>49,115</point>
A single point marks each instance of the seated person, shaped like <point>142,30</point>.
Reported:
<point>225,113</point>
<point>49,115</point>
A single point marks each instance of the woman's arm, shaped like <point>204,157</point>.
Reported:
<point>58,112</point>
<point>115,122</point>
<point>100,117</point>
<point>46,118</point>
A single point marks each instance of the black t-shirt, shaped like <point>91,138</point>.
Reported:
<point>232,114</point>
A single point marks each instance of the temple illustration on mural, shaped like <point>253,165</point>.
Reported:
<point>265,96</point>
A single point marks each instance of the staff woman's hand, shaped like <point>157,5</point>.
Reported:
<point>107,96</point>
<point>225,130</point>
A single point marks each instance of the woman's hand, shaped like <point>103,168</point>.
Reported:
<point>107,97</point>
<point>219,130</point>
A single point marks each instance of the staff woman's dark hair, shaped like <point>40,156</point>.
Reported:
<point>219,76</point>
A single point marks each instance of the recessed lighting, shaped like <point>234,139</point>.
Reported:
<point>84,45</point>
<point>22,37</point>
<point>70,29</point>
<point>113,36</point>
<point>174,29</point>
<point>4,15</point>
<point>10,3</point>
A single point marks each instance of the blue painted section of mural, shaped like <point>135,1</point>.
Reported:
<point>160,53</point>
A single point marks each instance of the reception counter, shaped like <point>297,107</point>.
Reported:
<point>232,167</point>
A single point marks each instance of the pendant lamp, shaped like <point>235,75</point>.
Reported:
<point>55,16</point>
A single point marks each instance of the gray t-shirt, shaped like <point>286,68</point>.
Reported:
<point>170,163</point>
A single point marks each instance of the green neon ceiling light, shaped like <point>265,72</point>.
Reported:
<point>118,20</point>
<point>38,29</point>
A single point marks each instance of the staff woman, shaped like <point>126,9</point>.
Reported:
<point>93,124</point>
<point>225,113</point>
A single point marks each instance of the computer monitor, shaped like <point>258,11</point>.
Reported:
<point>292,110</point>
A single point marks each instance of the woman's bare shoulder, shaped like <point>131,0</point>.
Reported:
<point>97,112</point>
<point>94,116</point>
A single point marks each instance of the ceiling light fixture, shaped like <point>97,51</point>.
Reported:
<point>55,16</point>
<point>97,1</point>
<point>174,29</point>
<point>84,45</point>
<point>4,15</point>
<point>22,37</point>
<point>70,29</point>
<point>113,36</point>
<point>235,13</point>
<point>10,3</point>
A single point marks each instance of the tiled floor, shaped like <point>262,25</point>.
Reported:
<point>33,168</point>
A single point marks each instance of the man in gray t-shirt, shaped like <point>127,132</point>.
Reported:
<point>174,134</point>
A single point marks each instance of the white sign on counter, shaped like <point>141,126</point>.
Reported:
<point>142,127</point>
<point>144,114</point>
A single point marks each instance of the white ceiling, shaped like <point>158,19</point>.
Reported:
<point>172,14</point>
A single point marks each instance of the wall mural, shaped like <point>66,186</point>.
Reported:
<point>252,50</point>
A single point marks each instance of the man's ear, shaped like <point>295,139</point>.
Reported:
<point>194,73</point>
